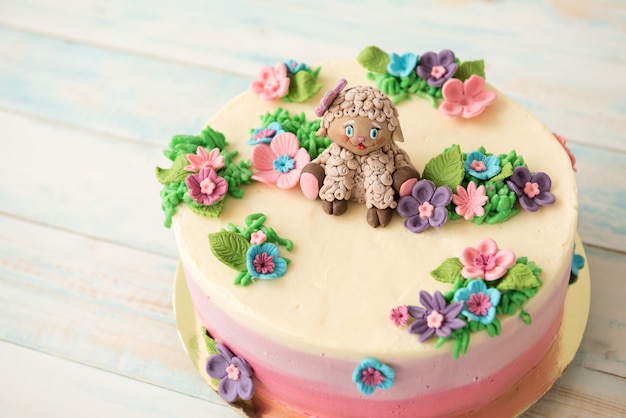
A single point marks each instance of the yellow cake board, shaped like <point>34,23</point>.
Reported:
<point>518,399</point>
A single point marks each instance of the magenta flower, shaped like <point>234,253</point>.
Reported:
<point>563,143</point>
<point>469,202</point>
<point>425,206</point>
<point>533,190</point>
<point>202,159</point>
<point>486,261</point>
<point>435,317</point>
<point>399,315</point>
<point>273,83</point>
<point>371,374</point>
<point>280,162</point>
<point>437,68</point>
<point>234,373</point>
<point>466,99</point>
<point>206,187</point>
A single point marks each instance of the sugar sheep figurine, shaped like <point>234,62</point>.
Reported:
<point>363,162</point>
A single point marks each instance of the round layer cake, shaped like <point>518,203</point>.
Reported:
<point>329,336</point>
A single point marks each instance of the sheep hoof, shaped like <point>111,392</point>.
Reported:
<point>378,217</point>
<point>336,207</point>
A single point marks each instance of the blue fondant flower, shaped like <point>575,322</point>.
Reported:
<point>234,373</point>
<point>265,135</point>
<point>294,66</point>
<point>479,302</point>
<point>372,374</point>
<point>578,262</point>
<point>481,166</point>
<point>402,65</point>
<point>263,262</point>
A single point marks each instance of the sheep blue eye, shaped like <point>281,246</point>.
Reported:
<point>374,133</point>
<point>349,130</point>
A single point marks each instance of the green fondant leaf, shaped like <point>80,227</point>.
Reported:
<point>175,173</point>
<point>448,271</point>
<point>374,59</point>
<point>209,342</point>
<point>519,277</point>
<point>446,169</point>
<point>303,86</point>
<point>467,68</point>
<point>505,172</point>
<point>230,248</point>
<point>211,211</point>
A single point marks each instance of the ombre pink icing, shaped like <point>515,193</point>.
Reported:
<point>486,261</point>
<point>320,385</point>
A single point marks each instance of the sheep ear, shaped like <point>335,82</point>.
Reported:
<point>397,134</point>
<point>321,132</point>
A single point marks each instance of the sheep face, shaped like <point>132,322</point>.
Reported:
<point>359,135</point>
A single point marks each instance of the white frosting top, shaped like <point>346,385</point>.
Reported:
<point>345,276</point>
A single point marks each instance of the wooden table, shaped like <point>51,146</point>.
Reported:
<point>91,92</point>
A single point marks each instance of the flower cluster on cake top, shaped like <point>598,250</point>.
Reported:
<point>488,283</point>
<point>437,77</point>
<point>291,81</point>
<point>476,186</point>
<point>252,250</point>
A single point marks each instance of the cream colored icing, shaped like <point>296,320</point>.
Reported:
<point>344,276</point>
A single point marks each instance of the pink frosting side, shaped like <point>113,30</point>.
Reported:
<point>322,386</point>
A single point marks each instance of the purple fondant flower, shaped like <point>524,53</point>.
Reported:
<point>234,373</point>
<point>533,190</point>
<point>425,206</point>
<point>437,68</point>
<point>479,302</point>
<point>372,374</point>
<point>263,261</point>
<point>206,187</point>
<point>435,317</point>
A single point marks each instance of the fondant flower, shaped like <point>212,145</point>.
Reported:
<point>486,261</point>
<point>563,143</point>
<point>202,159</point>
<point>434,317</point>
<point>280,162</point>
<point>480,166</point>
<point>273,83</point>
<point>533,190</point>
<point>437,68</point>
<point>479,303</point>
<point>265,135</point>
<point>578,262</point>
<point>234,373</point>
<point>401,65</point>
<point>469,202</point>
<point>425,206</point>
<point>399,315</point>
<point>206,187</point>
<point>466,99</point>
<point>372,374</point>
<point>258,237</point>
<point>263,261</point>
<point>294,66</point>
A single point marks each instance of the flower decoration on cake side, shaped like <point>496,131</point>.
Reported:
<point>280,162</point>
<point>484,188</point>
<point>578,263</point>
<point>233,372</point>
<point>290,81</point>
<point>426,75</point>
<point>371,374</point>
<point>252,250</point>
<point>202,175</point>
<point>488,283</point>
<point>563,143</point>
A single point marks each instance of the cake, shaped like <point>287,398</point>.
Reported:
<point>424,281</point>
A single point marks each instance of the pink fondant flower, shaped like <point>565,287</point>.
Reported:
<point>206,187</point>
<point>273,83</point>
<point>469,202</point>
<point>280,162</point>
<point>258,237</point>
<point>202,159</point>
<point>486,261</point>
<point>399,315</point>
<point>466,99</point>
<point>567,150</point>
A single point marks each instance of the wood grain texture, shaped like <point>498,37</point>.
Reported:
<point>90,94</point>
